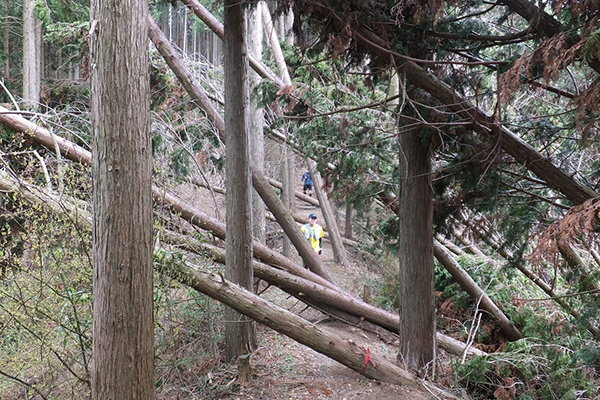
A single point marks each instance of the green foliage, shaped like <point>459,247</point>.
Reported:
<point>530,370</point>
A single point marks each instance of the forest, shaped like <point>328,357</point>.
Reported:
<point>152,199</point>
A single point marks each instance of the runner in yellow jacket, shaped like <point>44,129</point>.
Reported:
<point>314,233</point>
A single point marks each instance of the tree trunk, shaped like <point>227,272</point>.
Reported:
<point>468,284</point>
<point>274,43</point>
<point>32,54</point>
<point>417,306</point>
<point>287,197</point>
<point>337,245</point>
<point>348,227</point>
<point>6,43</point>
<point>240,335</point>
<point>123,331</point>
<point>256,118</point>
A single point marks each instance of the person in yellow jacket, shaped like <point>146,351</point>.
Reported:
<point>313,232</point>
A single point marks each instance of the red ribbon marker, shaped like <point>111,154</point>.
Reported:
<point>368,352</point>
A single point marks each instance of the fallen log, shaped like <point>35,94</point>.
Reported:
<point>311,292</point>
<point>468,284</point>
<point>345,351</point>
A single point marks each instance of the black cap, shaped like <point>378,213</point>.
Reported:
<point>312,216</point>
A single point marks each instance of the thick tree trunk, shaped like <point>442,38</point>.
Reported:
<point>348,227</point>
<point>32,54</point>
<point>240,334</point>
<point>287,197</point>
<point>256,118</point>
<point>417,306</point>
<point>538,18</point>
<point>123,331</point>
<point>468,284</point>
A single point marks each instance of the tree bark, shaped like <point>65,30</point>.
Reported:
<point>256,118</point>
<point>538,18</point>
<point>287,197</point>
<point>348,227</point>
<point>417,306</point>
<point>123,328</point>
<point>468,284</point>
<point>32,54</point>
<point>274,43</point>
<point>240,334</point>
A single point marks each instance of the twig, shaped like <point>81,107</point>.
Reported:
<point>45,169</point>
<point>9,95</point>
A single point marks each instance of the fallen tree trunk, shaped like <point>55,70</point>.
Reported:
<point>331,297</point>
<point>468,284</point>
<point>337,245</point>
<point>344,351</point>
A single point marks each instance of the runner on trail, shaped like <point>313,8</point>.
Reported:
<point>308,184</point>
<point>314,233</point>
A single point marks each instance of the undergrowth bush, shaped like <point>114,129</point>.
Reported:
<point>531,369</point>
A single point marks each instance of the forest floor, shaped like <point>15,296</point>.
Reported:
<point>284,369</point>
